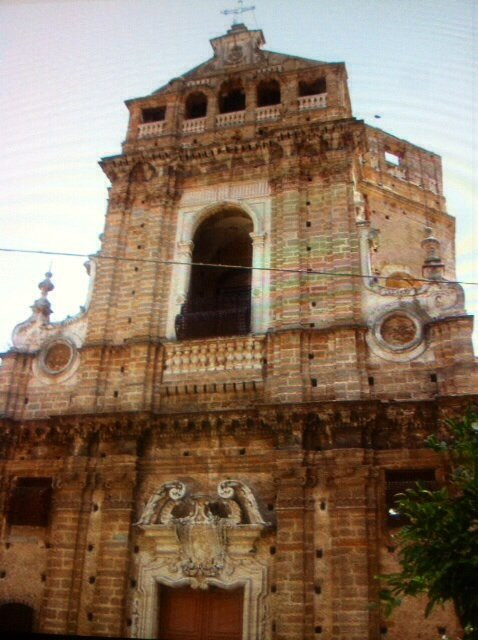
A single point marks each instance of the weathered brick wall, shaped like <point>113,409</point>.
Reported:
<point>308,414</point>
<point>322,490</point>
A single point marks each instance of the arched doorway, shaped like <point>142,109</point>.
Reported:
<point>16,617</point>
<point>198,614</point>
<point>219,298</point>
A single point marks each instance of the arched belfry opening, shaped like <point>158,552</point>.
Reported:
<point>268,93</point>
<point>232,96</point>
<point>196,105</point>
<point>219,298</point>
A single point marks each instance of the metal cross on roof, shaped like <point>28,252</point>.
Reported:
<point>237,11</point>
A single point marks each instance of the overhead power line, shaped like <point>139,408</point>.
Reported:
<point>307,271</point>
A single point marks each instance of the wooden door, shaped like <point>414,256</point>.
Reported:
<point>196,614</point>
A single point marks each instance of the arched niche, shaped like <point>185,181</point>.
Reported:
<point>195,105</point>
<point>268,93</point>
<point>312,86</point>
<point>218,302</point>
<point>223,233</point>
<point>232,96</point>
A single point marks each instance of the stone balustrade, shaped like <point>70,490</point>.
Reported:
<point>271,112</point>
<point>148,129</point>
<point>317,101</point>
<point>233,356</point>
<point>230,119</point>
<point>194,125</point>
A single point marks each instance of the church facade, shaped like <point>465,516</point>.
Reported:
<point>211,448</point>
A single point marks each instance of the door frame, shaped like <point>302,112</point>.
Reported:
<point>251,576</point>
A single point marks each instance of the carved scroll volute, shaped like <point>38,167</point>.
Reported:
<point>154,511</point>
<point>234,489</point>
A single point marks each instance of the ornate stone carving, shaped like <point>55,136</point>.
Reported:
<point>398,330</point>
<point>201,523</point>
<point>57,356</point>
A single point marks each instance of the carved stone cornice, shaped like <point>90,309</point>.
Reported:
<point>310,426</point>
<point>329,136</point>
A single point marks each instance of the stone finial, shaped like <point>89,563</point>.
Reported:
<point>433,266</point>
<point>42,306</point>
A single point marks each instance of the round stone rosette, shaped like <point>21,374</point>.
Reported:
<point>397,335</point>
<point>57,359</point>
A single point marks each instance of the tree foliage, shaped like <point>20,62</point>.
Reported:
<point>438,548</point>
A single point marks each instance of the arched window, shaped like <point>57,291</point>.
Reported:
<point>154,114</point>
<point>232,97</point>
<point>268,93</point>
<point>196,105</point>
<point>16,617</point>
<point>312,87</point>
<point>219,297</point>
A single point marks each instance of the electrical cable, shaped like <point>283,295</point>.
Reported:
<point>307,271</point>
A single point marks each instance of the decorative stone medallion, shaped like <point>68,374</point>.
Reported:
<point>57,356</point>
<point>398,330</point>
<point>396,334</point>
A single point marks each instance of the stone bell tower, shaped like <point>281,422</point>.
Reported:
<point>210,449</point>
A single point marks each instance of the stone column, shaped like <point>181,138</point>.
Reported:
<point>118,477</point>
<point>363,228</point>
<point>62,555</point>
<point>352,541</point>
<point>290,556</point>
<point>258,284</point>
<point>180,278</point>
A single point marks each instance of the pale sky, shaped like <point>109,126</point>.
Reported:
<point>66,67</point>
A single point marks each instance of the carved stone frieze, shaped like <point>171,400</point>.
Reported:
<point>322,426</point>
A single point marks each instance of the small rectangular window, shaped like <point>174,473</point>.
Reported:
<point>397,481</point>
<point>30,502</point>
<point>392,158</point>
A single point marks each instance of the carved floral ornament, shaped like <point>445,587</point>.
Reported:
<point>204,526</point>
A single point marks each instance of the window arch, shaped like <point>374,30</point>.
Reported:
<point>268,93</point>
<point>232,96</point>
<point>218,302</point>
<point>154,114</point>
<point>312,87</point>
<point>196,105</point>
<point>16,617</point>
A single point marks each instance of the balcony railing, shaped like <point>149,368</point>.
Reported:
<point>230,119</point>
<point>271,112</point>
<point>194,125</point>
<point>148,129</point>
<point>317,101</point>
<point>219,322</point>
<point>242,356</point>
